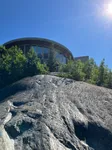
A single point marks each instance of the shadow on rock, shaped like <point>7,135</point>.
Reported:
<point>19,86</point>
<point>95,135</point>
<point>14,131</point>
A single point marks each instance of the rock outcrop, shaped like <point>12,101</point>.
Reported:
<point>52,113</point>
<point>5,142</point>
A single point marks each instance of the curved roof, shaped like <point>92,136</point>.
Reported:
<point>38,39</point>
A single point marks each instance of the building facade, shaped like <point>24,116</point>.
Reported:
<point>42,47</point>
<point>82,58</point>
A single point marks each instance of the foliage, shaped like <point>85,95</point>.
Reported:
<point>78,73</point>
<point>101,76</point>
<point>88,71</point>
<point>88,68</point>
<point>52,62</point>
<point>12,62</point>
<point>109,80</point>
<point>14,65</point>
<point>94,75</point>
<point>73,69</point>
<point>33,65</point>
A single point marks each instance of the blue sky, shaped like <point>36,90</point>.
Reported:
<point>77,24</point>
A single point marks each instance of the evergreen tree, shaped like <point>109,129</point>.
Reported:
<point>88,72</point>
<point>77,71</point>
<point>12,63</point>
<point>94,75</point>
<point>67,67</point>
<point>52,62</point>
<point>109,79</point>
<point>74,70</point>
<point>101,73</point>
<point>88,68</point>
<point>33,65</point>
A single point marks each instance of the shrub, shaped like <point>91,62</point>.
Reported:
<point>14,65</point>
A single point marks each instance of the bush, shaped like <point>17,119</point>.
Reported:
<point>12,62</point>
<point>52,63</point>
<point>14,65</point>
<point>88,72</point>
<point>73,69</point>
<point>33,65</point>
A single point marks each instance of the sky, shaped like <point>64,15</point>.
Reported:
<point>80,25</point>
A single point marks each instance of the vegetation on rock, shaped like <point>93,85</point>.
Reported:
<point>52,63</point>
<point>88,71</point>
<point>14,65</point>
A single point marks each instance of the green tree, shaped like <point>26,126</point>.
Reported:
<point>88,68</point>
<point>12,62</point>
<point>77,72</point>
<point>52,62</point>
<point>94,75</point>
<point>67,67</point>
<point>14,65</point>
<point>73,69</point>
<point>102,73</point>
<point>88,72</point>
<point>18,61</point>
<point>33,65</point>
<point>109,79</point>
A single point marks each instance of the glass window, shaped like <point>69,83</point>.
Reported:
<point>0,54</point>
<point>43,52</point>
<point>46,53</point>
<point>61,58</point>
<point>46,50</point>
<point>40,50</point>
<point>21,47</point>
<point>40,56</point>
<point>34,47</point>
<point>27,48</point>
<point>58,56</point>
<point>64,60</point>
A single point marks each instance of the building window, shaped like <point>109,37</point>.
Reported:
<point>43,52</point>
<point>46,50</point>
<point>35,48</point>
<point>40,52</point>
<point>27,48</point>
<point>61,58</point>
<point>46,53</point>
<point>64,60</point>
<point>0,55</point>
<point>22,48</point>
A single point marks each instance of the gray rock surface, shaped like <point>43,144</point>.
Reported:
<point>5,142</point>
<point>52,113</point>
